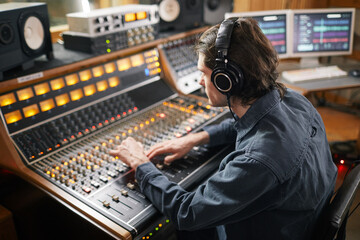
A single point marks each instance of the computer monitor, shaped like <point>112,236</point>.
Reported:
<point>322,32</point>
<point>274,24</point>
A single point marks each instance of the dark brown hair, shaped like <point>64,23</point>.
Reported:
<point>252,52</point>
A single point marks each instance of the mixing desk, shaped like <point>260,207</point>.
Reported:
<point>63,129</point>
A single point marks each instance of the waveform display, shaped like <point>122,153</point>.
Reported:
<point>326,40</point>
<point>274,27</point>
<point>322,32</point>
<point>330,34</point>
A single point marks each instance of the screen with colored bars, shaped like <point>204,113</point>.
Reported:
<point>274,27</point>
<point>328,32</point>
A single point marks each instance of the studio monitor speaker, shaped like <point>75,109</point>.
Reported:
<point>24,35</point>
<point>180,14</point>
<point>214,10</point>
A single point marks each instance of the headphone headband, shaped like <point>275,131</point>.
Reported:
<point>223,38</point>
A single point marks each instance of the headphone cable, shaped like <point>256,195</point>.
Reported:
<point>228,101</point>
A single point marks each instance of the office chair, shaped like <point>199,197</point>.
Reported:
<point>336,216</point>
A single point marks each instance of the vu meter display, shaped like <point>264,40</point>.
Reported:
<point>322,32</point>
<point>131,17</point>
<point>274,27</point>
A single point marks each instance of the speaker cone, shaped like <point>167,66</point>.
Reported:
<point>6,34</point>
<point>169,10</point>
<point>213,4</point>
<point>34,33</point>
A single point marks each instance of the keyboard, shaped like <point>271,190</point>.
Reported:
<point>311,74</point>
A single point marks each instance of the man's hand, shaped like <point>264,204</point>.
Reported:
<point>130,152</point>
<point>178,147</point>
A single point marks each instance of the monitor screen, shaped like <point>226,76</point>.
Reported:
<point>322,32</point>
<point>274,25</point>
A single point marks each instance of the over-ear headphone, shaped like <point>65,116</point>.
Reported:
<point>226,75</point>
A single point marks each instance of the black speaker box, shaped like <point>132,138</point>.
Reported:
<point>24,35</point>
<point>214,10</point>
<point>179,14</point>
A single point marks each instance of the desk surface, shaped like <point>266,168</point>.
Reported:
<point>335,83</point>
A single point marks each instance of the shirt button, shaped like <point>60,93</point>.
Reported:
<point>313,132</point>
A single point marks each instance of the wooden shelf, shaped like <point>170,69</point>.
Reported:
<point>344,3</point>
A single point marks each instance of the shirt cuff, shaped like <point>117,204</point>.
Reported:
<point>143,172</point>
<point>211,130</point>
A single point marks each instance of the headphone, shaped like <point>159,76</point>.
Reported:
<point>226,75</point>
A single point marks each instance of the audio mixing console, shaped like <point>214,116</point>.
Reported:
<point>63,129</point>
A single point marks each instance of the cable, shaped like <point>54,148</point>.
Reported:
<point>354,209</point>
<point>228,101</point>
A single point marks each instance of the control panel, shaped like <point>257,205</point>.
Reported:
<point>108,29</point>
<point>63,129</point>
<point>181,59</point>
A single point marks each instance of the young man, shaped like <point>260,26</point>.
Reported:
<point>280,176</point>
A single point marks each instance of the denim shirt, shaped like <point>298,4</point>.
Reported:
<point>272,186</point>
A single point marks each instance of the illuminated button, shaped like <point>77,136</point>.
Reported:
<point>109,67</point>
<point>102,85</point>
<point>7,99</point>
<point>71,79</point>
<point>123,64</point>
<point>89,90</point>
<point>76,94</point>
<point>62,99</point>
<point>114,81</point>
<point>47,105</point>
<point>41,88</point>
<point>85,75</point>
<point>24,94</point>
<point>98,71</point>
<point>137,60</point>
<point>57,84</point>
<point>13,117</point>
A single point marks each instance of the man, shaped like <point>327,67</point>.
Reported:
<point>280,176</point>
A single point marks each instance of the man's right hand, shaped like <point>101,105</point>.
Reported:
<point>178,147</point>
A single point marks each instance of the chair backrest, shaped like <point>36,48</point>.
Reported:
<point>337,214</point>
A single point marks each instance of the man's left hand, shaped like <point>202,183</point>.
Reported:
<point>130,152</point>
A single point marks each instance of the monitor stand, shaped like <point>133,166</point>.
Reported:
<point>309,62</point>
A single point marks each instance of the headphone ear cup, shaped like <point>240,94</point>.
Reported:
<point>226,79</point>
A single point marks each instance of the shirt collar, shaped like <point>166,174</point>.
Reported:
<point>256,112</point>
